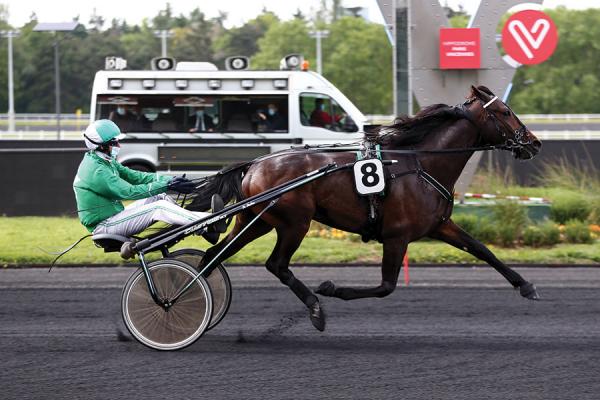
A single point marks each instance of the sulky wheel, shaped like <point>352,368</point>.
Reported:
<point>218,280</point>
<point>177,326</point>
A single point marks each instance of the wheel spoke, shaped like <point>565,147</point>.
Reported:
<point>168,329</point>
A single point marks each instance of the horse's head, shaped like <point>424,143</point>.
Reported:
<point>500,126</point>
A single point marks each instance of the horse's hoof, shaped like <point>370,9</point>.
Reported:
<point>528,291</point>
<point>317,316</point>
<point>326,288</point>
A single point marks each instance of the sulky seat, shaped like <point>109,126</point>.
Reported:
<point>110,243</point>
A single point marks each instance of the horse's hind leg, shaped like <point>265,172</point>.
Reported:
<point>288,240</point>
<point>393,254</point>
<point>452,234</point>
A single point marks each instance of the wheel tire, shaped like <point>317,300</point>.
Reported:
<point>218,280</point>
<point>183,323</point>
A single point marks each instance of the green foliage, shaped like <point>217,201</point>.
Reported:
<point>356,57</point>
<point>507,234</point>
<point>577,231</point>
<point>533,236</point>
<point>459,21</point>
<point>510,213</point>
<point>571,175</point>
<point>21,237</point>
<point>486,231</point>
<point>243,40</point>
<point>280,39</point>
<point>546,234</point>
<point>551,233</point>
<point>358,63</point>
<point>569,205</point>
<point>468,222</point>
<point>594,217</point>
<point>562,83</point>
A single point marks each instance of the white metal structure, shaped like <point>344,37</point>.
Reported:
<point>163,104</point>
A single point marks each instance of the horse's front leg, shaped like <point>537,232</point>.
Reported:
<point>393,254</point>
<point>452,234</point>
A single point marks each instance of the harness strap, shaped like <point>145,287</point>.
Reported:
<point>436,185</point>
<point>419,171</point>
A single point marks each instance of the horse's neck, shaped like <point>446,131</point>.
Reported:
<point>446,168</point>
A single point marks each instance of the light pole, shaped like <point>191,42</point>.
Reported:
<point>163,34</point>
<point>319,34</point>
<point>56,27</point>
<point>11,99</point>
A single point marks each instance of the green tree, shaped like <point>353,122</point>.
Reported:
<point>243,41</point>
<point>357,57</point>
<point>280,39</point>
<point>566,82</point>
<point>140,46</point>
<point>358,60</point>
<point>193,42</point>
<point>4,56</point>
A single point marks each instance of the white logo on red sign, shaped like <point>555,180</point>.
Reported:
<point>529,37</point>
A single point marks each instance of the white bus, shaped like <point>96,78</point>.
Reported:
<point>195,118</point>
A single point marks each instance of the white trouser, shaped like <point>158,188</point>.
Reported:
<point>140,214</point>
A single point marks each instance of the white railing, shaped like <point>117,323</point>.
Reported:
<point>46,117</point>
<point>553,117</point>
<point>372,117</point>
<point>524,117</point>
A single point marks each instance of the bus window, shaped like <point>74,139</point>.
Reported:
<point>146,113</point>
<point>196,114</point>
<point>201,113</point>
<point>322,111</point>
<point>258,114</point>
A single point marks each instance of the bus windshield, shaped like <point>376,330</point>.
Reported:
<point>195,113</point>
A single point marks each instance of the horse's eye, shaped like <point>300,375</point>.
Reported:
<point>506,113</point>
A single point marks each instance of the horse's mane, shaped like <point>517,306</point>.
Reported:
<point>407,130</point>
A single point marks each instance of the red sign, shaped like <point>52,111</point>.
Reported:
<point>459,48</point>
<point>529,37</point>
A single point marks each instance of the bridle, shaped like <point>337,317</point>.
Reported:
<point>520,139</point>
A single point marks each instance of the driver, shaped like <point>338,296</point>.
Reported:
<point>102,182</point>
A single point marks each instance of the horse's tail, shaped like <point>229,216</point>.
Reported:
<point>227,183</point>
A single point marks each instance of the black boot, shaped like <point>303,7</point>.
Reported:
<point>211,237</point>
<point>214,231</point>
<point>216,205</point>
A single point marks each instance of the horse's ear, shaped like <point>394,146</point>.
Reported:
<point>480,94</point>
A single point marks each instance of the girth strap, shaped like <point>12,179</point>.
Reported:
<point>393,172</point>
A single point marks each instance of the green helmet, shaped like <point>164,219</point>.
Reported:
<point>100,132</point>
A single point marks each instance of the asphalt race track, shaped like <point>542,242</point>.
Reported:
<point>454,333</point>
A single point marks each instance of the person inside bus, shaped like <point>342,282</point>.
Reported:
<point>102,183</point>
<point>125,119</point>
<point>320,117</point>
<point>201,121</point>
<point>271,120</point>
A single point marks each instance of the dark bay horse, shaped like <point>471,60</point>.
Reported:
<point>412,208</point>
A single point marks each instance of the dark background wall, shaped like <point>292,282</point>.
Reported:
<point>36,176</point>
<point>581,154</point>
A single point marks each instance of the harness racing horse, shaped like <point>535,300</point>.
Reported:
<point>440,139</point>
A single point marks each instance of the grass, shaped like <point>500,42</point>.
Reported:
<point>22,237</point>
